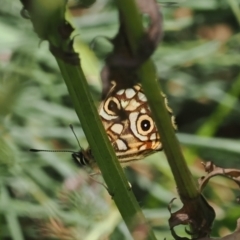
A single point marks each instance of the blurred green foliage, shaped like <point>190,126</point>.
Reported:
<point>45,196</point>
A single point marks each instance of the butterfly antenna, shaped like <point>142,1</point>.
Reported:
<point>42,150</point>
<point>71,126</point>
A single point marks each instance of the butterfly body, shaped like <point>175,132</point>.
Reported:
<point>83,157</point>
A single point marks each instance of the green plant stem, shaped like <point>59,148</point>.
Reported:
<point>102,149</point>
<point>84,106</point>
<point>184,180</point>
<point>195,206</point>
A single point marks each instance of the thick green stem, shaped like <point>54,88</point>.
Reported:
<point>195,206</point>
<point>101,147</point>
<point>184,180</point>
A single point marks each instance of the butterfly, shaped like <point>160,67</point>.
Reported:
<point>127,119</point>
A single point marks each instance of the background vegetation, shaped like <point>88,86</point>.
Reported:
<point>46,196</point>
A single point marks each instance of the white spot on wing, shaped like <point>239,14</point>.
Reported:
<point>153,136</point>
<point>143,147</point>
<point>133,105</point>
<point>117,128</point>
<point>137,87</point>
<point>124,103</point>
<point>121,145</point>
<point>120,92</point>
<point>143,110</point>
<point>130,93</point>
<point>142,97</point>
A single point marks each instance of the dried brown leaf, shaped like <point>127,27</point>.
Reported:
<point>189,214</point>
<point>214,170</point>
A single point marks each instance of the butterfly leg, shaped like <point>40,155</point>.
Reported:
<point>98,173</point>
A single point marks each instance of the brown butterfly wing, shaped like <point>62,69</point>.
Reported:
<point>128,122</point>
